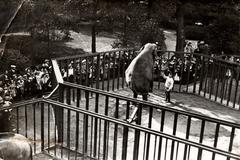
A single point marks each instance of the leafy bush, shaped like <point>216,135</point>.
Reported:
<point>224,35</point>
<point>195,32</point>
<point>140,32</point>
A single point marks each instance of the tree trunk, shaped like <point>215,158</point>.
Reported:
<point>150,3</point>
<point>93,37</point>
<point>94,26</point>
<point>180,27</point>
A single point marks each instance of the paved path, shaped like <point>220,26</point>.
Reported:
<point>195,104</point>
<point>192,103</point>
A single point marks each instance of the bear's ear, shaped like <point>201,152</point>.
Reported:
<point>154,49</point>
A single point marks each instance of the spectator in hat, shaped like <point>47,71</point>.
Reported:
<point>189,48</point>
<point>20,86</point>
<point>7,101</point>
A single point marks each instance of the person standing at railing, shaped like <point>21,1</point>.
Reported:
<point>168,86</point>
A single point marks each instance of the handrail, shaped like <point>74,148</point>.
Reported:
<point>129,49</point>
<point>114,95</point>
<point>22,103</point>
<point>57,71</point>
<point>140,128</point>
<point>92,54</point>
<point>53,91</point>
<point>204,55</point>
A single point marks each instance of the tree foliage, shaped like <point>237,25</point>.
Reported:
<point>220,25</point>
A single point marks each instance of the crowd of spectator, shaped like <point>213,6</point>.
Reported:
<point>17,85</point>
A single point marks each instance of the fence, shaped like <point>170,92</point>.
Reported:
<point>81,133</point>
<point>88,122</point>
<point>200,74</point>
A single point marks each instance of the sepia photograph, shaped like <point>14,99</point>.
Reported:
<point>119,80</point>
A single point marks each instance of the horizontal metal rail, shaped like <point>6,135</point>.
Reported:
<point>114,95</point>
<point>140,128</point>
<point>91,54</point>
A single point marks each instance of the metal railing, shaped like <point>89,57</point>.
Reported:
<point>195,73</point>
<point>86,121</point>
<point>90,135</point>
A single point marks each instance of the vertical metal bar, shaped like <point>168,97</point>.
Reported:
<point>161,130</point>
<point>212,80</point>
<point>223,84</point>
<point>48,123</point>
<point>103,70</point>
<point>187,137</point>
<point>236,88</point>
<point>125,135</point>
<point>97,69</point>
<point>74,79</point>
<point>137,133</point>
<point>115,130</point>
<point>136,144</point>
<point>188,155</point>
<point>61,139</point>
<point>108,71</point>
<point>166,148</point>
<point>201,76</point>
<point>174,133</point>
<point>99,139</point>
<point>195,76</point>
<point>74,71</point>
<point>87,72</point>
<point>177,148</point>
<point>159,74</point>
<point>231,141</point>
<point>77,124</point>
<point>114,71</point>
<point>26,121</point>
<point>218,74</point>
<point>91,137</point>
<point>55,132</point>
<point>67,70</point>
<point>17,117</point>
<point>215,139</point>
<point>93,73</point>
<point>188,76</point>
<point>105,130</point>
<point>123,68</point>
<point>230,88</point>
<point>85,128</point>
<point>34,127</point>
<point>68,120</point>
<point>206,79</point>
<point>81,71</point>
<point>149,126</point>
<point>201,139</point>
<point>95,126</point>
<point>155,147</point>
<point>118,69</point>
<point>42,126</point>
<point>181,80</point>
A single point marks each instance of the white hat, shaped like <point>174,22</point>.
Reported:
<point>13,66</point>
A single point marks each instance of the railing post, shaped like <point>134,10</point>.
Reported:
<point>42,126</point>
<point>97,69</point>
<point>236,88</point>
<point>58,112</point>
<point>137,133</point>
